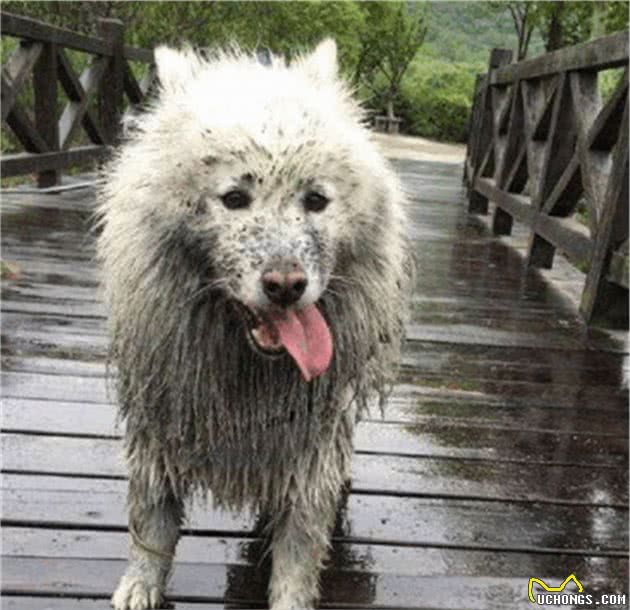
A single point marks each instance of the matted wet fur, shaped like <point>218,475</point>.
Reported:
<point>182,257</point>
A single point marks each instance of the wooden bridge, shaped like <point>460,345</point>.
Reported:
<point>504,449</point>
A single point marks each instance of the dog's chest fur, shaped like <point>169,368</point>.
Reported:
<point>233,421</point>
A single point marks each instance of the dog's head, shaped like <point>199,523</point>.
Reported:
<point>269,176</point>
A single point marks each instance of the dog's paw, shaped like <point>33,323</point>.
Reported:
<point>134,593</point>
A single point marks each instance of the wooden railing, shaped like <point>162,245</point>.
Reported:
<point>543,145</point>
<point>46,135</point>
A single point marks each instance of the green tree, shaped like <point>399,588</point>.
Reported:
<point>393,33</point>
<point>523,20</point>
<point>563,23</point>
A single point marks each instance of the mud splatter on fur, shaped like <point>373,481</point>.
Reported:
<point>204,410</point>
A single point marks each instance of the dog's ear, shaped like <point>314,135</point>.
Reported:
<point>321,64</point>
<point>175,67</point>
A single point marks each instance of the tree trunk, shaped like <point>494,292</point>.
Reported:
<point>522,51</point>
<point>390,108</point>
<point>555,38</point>
<point>523,27</point>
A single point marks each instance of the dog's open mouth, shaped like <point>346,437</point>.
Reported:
<point>262,335</point>
<point>303,333</point>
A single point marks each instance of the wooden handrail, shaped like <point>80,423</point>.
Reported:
<point>599,54</point>
<point>541,141</point>
<point>31,29</point>
<point>108,78</point>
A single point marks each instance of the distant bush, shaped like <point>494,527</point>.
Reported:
<point>608,81</point>
<point>436,98</point>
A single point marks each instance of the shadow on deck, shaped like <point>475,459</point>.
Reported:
<point>502,456</point>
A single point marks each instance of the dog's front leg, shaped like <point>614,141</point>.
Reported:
<point>155,516</point>
<point>300,544</point>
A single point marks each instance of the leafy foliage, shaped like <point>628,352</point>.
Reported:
<point>563,24</point>
<point>615,16</point>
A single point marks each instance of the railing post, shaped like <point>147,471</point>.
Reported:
<point>472,130</point>
<point>555,158</point>
<point>477,203</point>
<point>603,300</point>
<point>112,84</point>
<point>45,107</point>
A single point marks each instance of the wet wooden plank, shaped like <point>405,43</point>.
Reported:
<point>549,366</point>
<point>55,387</point>
<point>403,407</point>
<point>433,438</point>
<point>64,307</point>
<point>498,331</point>
<point>79,389</point>
<point>426,475</point>
<point>362,562</point>
<point>488,479</point>
<point>519,394</point>
<point>443,392</point>
<point>214,583</point>
<point>247,584</point>
<point>476,364</point>
<point>462,281</point>
<point>49,270</point>
<point>45,292</point>
<point>58,417</point>
<point>57,366</point>
<point>26,602</point>
<point>350,557</point>
<point>389,520</point>
<point>460,412</point>
<point>66,332</point>
<point>474,335</point>
<point>54,327</point>
<point>555,367</point>
<point>532,446</point>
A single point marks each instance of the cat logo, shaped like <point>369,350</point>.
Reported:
<point>571,577</point>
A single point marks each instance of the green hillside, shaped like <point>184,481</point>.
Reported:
<point>466,31</point>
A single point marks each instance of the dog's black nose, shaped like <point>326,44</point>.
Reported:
<point>284,288</point>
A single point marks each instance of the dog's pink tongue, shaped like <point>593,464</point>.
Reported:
<point>306,336</point>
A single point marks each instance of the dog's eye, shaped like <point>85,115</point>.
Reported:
<point>236,199</point>
<point>315,202</point>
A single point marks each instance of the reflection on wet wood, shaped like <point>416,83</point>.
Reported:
<point>502,454</point>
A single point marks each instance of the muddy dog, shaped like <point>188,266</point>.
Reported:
<point>256,269</point>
